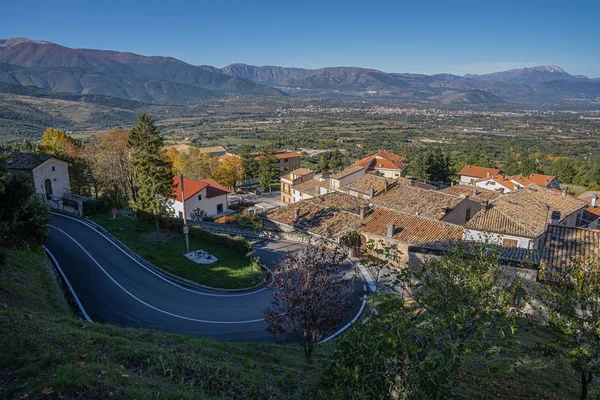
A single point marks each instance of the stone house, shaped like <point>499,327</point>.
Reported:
<point>49,175</point>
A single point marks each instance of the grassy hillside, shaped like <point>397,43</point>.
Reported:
<point>45,349</point>
<point>48,353</point>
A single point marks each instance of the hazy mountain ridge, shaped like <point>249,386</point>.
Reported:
<point>158,79</point>
<point>523,85</point>
<point>110,73</point>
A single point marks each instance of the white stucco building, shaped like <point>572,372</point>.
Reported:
<point>204,194</point>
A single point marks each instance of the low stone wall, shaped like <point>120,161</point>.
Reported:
<point>246,232</point>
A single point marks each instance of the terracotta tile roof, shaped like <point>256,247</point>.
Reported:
<point>507,254</point>
<point>594,211</point>
<point>539,179</point>
<point>412,182</point>
<point>192,186</point>
<point>524,212</point>
<point>348,171</point>
<point>228,156</point>
<point>501,179</point>
<point>365,183</point>
<point>339,201</point>
<point>429,203</point>
<point>536,179</point>
<point>310,186</point>
<point>212,149</point>
<point>588,196</point>
<point>410,228</point>
<point>327,215</point>
<point>478,172</point>
<point>473,192</point>
<point>297,173</point>
<point>382,160</point>
<point>563,246</point>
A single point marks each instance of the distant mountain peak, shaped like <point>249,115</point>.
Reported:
<point>18,40</point>
<point>548,68</point>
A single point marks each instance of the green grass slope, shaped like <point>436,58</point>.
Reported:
<point>48,353</point>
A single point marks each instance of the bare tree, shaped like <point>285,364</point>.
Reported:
<point>310,296</point>
<point>379,257</point>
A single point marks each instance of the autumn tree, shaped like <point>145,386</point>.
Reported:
<point>112,158</point>
<point>228,173</point>
<point>60,144</point>
<point>572,299</point>
<point>267,172</point>
<point>152,171</point>
<point>310,296</point>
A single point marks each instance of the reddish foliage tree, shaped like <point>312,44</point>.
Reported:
<point>310,296</point>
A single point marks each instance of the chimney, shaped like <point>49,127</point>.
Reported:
<point>362,211</point>
<point>317,191</point>
<point>488,174</point>
<point>372,193</point>
<point>594,200</point>
<point>565,191</point>
<point>555,217</point>
<point>391,228</point>
<point>296,214</point>
<point>484,204</point>
<point>386,186</point>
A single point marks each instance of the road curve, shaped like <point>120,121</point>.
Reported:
<point>112,287</point>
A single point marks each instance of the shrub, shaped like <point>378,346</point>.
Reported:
<point>103,205</point>
<point>249,221</point>
<point>237,244</point>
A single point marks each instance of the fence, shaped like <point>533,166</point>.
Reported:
<point>228,229</point>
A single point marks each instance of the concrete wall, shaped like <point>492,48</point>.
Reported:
<point>466,180</point>
<point>490,184</point>
<point>336,183</point>
<point>58,173</point>
<point>458,215</point>
<point>498,238</point>
<point>391,173</point>
<point>208,205</point>
<point>402,246</point>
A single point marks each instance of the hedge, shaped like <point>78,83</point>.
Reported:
<point>103,205</point>
<point>237,243</point>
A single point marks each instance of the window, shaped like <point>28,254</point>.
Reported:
<point>180,214</point>
<point>510,243</point>
<point>219,208</point>
<point>199,197</point>
<point>53,169</point>
<point>286,160</point>
<point>468,214</point>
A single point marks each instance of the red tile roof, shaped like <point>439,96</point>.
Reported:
<point>478,172</point>
<point>501,179</point>
<point>382,160</point>
<point>192,186</point>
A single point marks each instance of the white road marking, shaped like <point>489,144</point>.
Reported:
<point>86,316</point>
<point>149,305</point>
<point>155,273</point>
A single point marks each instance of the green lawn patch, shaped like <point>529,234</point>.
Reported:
<point>231,271</point>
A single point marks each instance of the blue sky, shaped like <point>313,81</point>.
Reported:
<point>394,36</point>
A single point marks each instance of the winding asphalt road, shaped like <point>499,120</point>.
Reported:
<point>113,287</point>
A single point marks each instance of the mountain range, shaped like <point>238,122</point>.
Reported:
<point>160,79</point>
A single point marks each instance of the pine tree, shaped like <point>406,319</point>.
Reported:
<point>153,172</point>
<point>266,167</point>
<point>248,163</point>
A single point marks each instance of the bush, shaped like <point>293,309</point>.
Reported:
<point>237,244</point>
<point>103,205</point>
<point>249,221</point>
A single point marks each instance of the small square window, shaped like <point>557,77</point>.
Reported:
<point>199,197</point>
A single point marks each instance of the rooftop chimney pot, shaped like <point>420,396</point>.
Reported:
<point>391,228</point>
<point>594,200</point>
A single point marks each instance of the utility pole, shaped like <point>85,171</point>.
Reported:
<point>186,229</point>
